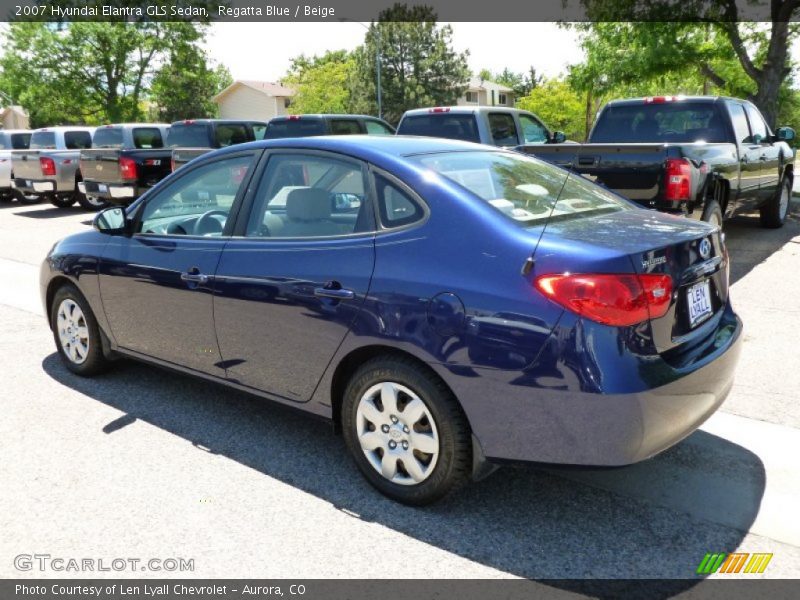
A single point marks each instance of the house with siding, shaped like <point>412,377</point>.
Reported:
<point>258,100</point>
<point>482,92</point>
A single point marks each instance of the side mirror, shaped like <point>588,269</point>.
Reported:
<point>112,221</point>
<point>558,137</point>
<point>785,134</point>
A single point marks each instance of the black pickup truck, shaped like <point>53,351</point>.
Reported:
<point>125,161</point>
<point>193,137</point>
<point>704,157</point>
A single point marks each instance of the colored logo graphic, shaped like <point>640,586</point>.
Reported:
<point>737,562</point>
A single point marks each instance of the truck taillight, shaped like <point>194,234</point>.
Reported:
<point>48,166</point>
<point>678,179</point>
<point>172,164</point>
<point>611,299</point>
<point>127,167</point>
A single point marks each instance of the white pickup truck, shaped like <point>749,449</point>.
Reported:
<point>50,168</point>
<point>11,140</point>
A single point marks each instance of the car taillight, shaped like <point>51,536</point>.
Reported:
<point>293,117</point>
<point>678,178</point>
<point>127,167</point>
<point>48,166</point>
<point>611,299</point>
<point>439,109</point>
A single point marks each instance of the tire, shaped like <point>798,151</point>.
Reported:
<point>436,436</point>
<point>76,333</point>
<point>23,199</point>
<point>61,201</point>
<point>90,203</point>
<point>773,214</point>
<point>712,213</point>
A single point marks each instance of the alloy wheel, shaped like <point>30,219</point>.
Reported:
<point>73,331</point>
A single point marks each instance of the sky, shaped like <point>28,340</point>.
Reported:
<point>261,51</point>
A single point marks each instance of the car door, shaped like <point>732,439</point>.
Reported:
<point>749,158</point>
<point>157,284</point>
<point>292,280</point>
<point>769,157</point>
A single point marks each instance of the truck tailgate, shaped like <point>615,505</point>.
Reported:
<point>25,165</point>
<point>100,165</point>
<point>181,156</point>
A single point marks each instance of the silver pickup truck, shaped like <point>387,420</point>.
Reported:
<point>11,140</point>
<point>50,168</point>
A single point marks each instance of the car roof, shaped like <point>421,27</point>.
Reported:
<point>67,128</point>
<point>217,121</point>
<point>462,110</point>
<point>676,98</point>
<point>323,116</point>
<point>110,125</point>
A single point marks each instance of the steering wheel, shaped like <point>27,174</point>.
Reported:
<point>206,223</point>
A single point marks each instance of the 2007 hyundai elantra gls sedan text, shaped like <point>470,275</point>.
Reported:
<point>448,306</point>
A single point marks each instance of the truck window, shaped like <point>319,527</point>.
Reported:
<point>108,137</point>
<point>377,128</point>
<point>345,127</point>
<point>757,125</point>
<point>229,135</point>
<point>77,140</point>
<point>259,129</point>
<point>43,140</point>
<point>188,135</point>
<point>294,127</point>
<point>669,122</point>
<point>14,141</point>
<point>503,128</point>
<point>739,121</point>
<point>443,125</point>
<point>146,138</point>
<point>532,130</point>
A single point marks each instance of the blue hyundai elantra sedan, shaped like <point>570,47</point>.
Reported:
<point>448,306</point>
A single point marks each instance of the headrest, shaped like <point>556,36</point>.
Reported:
<point>308,204</point>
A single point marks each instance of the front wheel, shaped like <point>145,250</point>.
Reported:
<point>773,214</point>
<point>76,332</point>
<point>405,431</point>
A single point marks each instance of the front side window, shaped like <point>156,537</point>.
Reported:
<point>739,121</point>
<point>199,202</point>
<point>757,125</point>
<point>310,196</point>
<point>533,132</point>
<point>259,129</point>
<point>377,128</point>
<point>522,188</point>
<point>77,140</point>
<point>503,128</point>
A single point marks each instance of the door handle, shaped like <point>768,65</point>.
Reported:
<point>762,157</point>
<point>337,294</point>
<point>194,277</point>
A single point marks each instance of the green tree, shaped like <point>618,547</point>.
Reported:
<point>321,83</point>
<point>90,72</point>
<point>418,64</point>
<point>558,105</point>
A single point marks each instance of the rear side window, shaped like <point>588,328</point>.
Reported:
<point>188,135</point>
<point>377,128</point>
<point>443,125</point>
<point>108,137</point>
<point>739,121</point>
<point>345,127</point>
<point>77,140</point>
<point>147,138</point>
<point>396,207</point>
<point>229,135</point>
<point>290,128</point>
<point>669,122</point>
<point>43,140</point>
<point>503,128</point>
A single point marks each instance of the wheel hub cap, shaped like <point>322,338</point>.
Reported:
<point>73,331</point>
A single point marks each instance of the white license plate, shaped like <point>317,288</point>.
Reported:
<point>699,300</point>
<point>102,188</point>
<point>28,183</point>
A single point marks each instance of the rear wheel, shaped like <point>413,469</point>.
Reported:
<point>405,431</point>
<point>23,199</point>
<point>76,332</point>
<point>90,202</point>
<point>773,214</point>
<point>712,213</point>
<point>61,201</point>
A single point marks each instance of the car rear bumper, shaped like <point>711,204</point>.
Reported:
<point>516,420</point>
<point>32,186</point>
<point>118,193</point>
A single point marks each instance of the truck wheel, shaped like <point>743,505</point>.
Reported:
<point>61,201</point>
<point>773,214</point>
<point>91,202</point>
<point>23,199</point>
<point>405,431</point>
<point>712,213</point>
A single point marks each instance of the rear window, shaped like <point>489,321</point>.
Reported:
<point>15,141</point>
<point>108,137</point>
<point>444,125</point>
<point>146,138</point>
<point>669,122</point>
<point>525,190</point>
<point>229,135</point>
<point>77,140</point>
<point>43,140</point>
<point>286,128</point>
<point>188,135</point>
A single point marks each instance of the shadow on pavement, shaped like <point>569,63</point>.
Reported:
<point>53,211</point>
<point>529,522</point>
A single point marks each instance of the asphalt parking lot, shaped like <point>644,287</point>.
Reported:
<point>140,463</point>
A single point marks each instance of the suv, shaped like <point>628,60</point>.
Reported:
<point>493,125</point>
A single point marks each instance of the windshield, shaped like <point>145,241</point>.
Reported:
<point>443,125</point>
<point>108,137</point>
<point>43,140</point>
<point>184,135</point>
<point>289,128</point>
<point>671,122</point>
<point>524,189</point>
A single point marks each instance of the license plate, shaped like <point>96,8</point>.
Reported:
<point>102,188</point>
<point>699,300</point>
<point>28,183</point>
